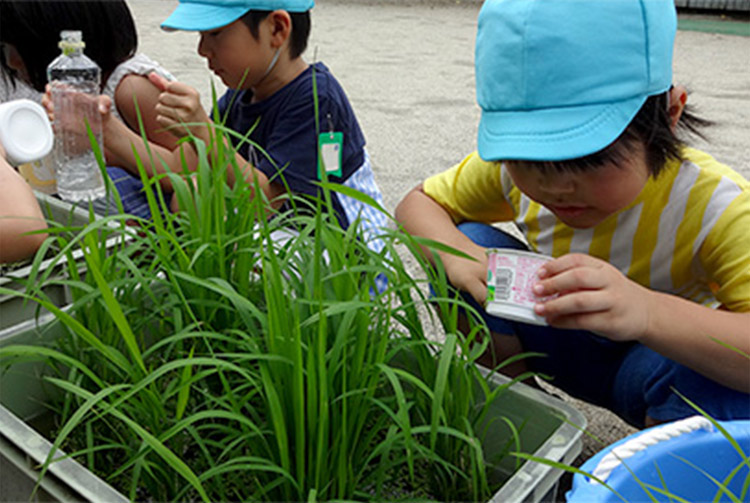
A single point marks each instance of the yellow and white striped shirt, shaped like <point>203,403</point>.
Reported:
<point>687,232</point>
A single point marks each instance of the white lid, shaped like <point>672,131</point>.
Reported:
<point>25,131</point>
<point>520,253</point>
<point>514,312</point>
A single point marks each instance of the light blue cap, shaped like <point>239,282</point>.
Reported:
<point>562,79</point>
<point>202,15</point>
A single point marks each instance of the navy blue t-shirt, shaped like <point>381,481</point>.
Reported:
<point>286,130</point>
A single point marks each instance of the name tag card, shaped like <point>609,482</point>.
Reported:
<point>330,146</point>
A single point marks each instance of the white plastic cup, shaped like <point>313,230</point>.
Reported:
<point>25,131</point>
<point>511,275</point>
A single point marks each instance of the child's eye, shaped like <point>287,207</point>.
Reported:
<point>212,33</point>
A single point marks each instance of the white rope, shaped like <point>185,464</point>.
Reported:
<point>617,455</point>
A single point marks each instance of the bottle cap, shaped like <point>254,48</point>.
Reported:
<point>71,39</point>
<point>25,131</point>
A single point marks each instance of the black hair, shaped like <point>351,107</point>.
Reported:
<point>651,127</point>
<point>33,27</point>
<point>300,29</point>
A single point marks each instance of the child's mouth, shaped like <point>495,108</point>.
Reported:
<point>568,211</point>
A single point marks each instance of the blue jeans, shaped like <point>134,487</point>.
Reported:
<point>628,378</point>
<point>132,195</point>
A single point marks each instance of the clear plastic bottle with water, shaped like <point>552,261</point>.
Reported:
<point>74,81</point>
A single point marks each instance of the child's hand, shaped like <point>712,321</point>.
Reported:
<point>75,125</point>
<point>469,276</point>
<point>49,107</point>
<point>179,104</point>
<point>593,295</point>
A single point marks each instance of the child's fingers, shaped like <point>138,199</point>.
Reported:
<point>478,290</point>
<point>578,278</point>
<point>170,115</point>
<point>180,89</point>
<point>567,262</point>
<point>47,103</point>
<point>169,99</point>
<point>165,121</point>
<point>105,104</point>
<point>582,302</point>
<point>173,93</point>
<point>177,92</point>
<point>160,82</point>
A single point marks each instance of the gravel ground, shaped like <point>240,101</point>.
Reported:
<point>407,66</point>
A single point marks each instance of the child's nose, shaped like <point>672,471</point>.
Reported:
<point>557,184</point>
<point>203,49</point>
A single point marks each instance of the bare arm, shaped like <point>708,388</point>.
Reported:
<point>176,104</point>
<point>137,95</point>
<point>19,214</point>
<point>685,331</point>
<point>179,104</point>
<point>423,216</point>
<point>595,296</point>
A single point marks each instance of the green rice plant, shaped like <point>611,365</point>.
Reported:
<point>220,355</point>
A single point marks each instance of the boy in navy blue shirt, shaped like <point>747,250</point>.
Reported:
<point>255,47</point>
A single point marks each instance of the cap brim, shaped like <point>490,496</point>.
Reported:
<point>202,17</point>
<point>553,134</point>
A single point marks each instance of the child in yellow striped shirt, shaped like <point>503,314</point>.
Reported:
<point>578,147</point>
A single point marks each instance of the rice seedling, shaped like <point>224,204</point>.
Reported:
<point>230,352</point>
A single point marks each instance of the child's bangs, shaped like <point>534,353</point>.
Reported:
<point>613,153</point>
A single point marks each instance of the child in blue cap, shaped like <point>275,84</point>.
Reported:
<point>255,47</point>
<point>648,294</point>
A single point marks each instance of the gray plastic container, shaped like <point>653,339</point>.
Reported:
<point>549,428</point>
<point>13,309</point>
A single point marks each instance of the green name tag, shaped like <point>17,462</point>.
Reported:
<point>330,146</point>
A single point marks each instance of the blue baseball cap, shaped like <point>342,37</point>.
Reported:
<point>202,15</point>
<point>562,79</point>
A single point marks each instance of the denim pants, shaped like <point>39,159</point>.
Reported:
<point>626,377</point>
<point>132,195</point>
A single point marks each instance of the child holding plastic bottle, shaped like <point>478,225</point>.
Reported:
<point>647,297</point>
<point>20,214</point>
<point>30,32</point>
<point>256,47</point>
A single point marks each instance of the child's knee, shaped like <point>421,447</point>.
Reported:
<point>650,389</point>
<point>490,237</point>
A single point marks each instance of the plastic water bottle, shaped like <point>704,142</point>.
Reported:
<point>74,81</point>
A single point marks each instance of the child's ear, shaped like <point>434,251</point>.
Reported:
<point>281,27</point>
<point>677,101</point>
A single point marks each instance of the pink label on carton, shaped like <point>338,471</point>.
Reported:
<point>511,276</point>
<point>515,277</point>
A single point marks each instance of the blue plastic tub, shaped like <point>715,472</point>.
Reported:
<point>678,459</point>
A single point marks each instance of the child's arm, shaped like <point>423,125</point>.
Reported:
<point>423,216</point>
<point>19,214</point>
<point>137,95</point>
<point>596,296</point>
<point>119,140</point>
<point>124,147</point>
<point>180,104</point>
<point>177,103</point>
